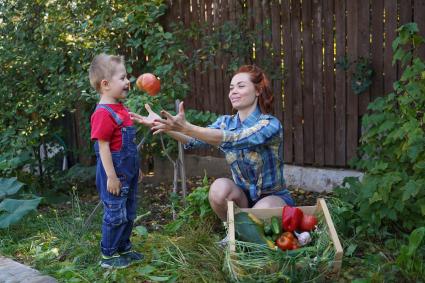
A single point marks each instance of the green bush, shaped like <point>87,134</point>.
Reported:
<point>391,196</point>
<point>197,209</point>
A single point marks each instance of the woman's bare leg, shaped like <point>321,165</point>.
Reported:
<point>269,202</point>
<point>223,190</point>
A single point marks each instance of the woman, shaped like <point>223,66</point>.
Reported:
<point>251,140</point>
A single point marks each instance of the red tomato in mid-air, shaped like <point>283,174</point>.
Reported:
<point>149,83</point>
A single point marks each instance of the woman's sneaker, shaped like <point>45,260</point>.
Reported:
<point>115,261</point>
<point>224,242</point>
<point>132,256</point>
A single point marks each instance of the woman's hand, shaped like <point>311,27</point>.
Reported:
<point>176,123</point>
<point>145,120</point>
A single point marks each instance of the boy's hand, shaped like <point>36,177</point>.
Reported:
<point>145,120</point>
<point>114,186</point>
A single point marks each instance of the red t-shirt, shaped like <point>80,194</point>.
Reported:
<point>104,127</point>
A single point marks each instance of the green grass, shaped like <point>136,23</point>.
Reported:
<point>55,242</point>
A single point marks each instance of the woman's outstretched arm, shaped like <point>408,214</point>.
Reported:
<point>179,125</point>
<point>148,121</point>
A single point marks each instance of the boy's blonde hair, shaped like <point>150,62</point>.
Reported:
<point>102,68</point>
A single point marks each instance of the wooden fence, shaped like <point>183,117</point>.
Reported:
<point>320,112</point>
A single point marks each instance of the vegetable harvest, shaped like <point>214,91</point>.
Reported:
<point>251,229</point>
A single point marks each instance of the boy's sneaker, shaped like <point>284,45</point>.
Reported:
<point>115,261</point>
<point>132,256</point>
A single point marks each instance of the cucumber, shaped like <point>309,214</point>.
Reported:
<point>268,229</point>
<point>276,227</point>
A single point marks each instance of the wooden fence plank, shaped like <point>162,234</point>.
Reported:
<point>363,47</point>
<point>199,76</point>
<point>340,84</point>
<point>181,10</point>
<point>390,26</point>
<point>189,18</point>
<point>319,144</point>
<point>277,57</point>
<point>377,48</point>
<point>209,78</point>
<point>226,60</point>
<point>258,24</point>
<point>239,12</point>
<point>308,79</point>
<point>419,18</point>
<point>211,69</point>
<point>219,91</point>
<point>352,98</point>
<point>405,11</point>
<point>288,141</point>
<point>251,16</point>
<point>204,70</point>
<point>267,59</point>
<point>298,102</point>
<point>186,13</point>
<point>405,16</point>
<point>329,80</point>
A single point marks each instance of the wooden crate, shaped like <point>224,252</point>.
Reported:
<point>267,213</point>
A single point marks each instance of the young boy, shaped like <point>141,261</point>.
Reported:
<point>117,168</point>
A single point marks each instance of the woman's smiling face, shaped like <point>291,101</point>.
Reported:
<point>242,92</point>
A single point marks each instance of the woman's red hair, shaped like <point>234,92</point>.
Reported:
<point>262,85</point>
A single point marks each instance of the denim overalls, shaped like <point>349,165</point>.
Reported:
<point>119,212</point>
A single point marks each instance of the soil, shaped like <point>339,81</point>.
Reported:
<point>155,198</point>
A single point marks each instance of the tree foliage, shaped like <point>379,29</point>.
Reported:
<point>45,51</point>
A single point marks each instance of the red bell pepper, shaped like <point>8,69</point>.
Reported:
<point>287,241</point>
<point>291,218</point>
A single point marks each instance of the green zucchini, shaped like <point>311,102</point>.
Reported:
<point>251,231</point>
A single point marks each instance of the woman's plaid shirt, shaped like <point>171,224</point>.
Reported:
<point>254,150</point>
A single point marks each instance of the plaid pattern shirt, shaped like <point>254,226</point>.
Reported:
<point>254,150</point>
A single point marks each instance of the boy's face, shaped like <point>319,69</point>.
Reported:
<point>118,86</point>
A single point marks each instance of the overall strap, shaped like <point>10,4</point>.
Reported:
<point>112,112</point>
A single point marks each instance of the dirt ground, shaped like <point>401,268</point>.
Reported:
<point>155,198</point>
